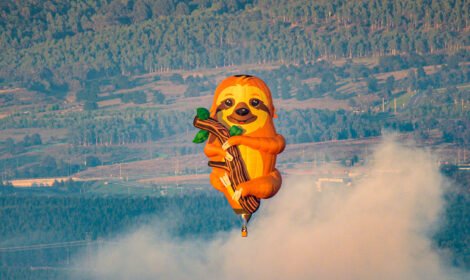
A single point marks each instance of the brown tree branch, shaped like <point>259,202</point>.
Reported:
<point>237,169</point>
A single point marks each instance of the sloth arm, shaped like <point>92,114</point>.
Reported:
<point>213,149</point>
<point>272,145</point>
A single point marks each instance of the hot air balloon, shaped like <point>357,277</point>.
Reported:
<point>242,143</point>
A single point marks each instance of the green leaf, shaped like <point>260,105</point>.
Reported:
<point>235,130</point>
<point>202,113</point>
<point>201,136</point>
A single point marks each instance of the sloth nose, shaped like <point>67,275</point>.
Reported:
<point>242,111</point>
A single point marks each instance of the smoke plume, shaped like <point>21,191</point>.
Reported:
<point>379,228</point>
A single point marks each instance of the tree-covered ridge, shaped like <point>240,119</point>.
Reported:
<point>377,14</point>
<point>434,104</point>
<point>126,37</point>
<point>71,217</point>
<point>108,127</point>
<point>27,22</point>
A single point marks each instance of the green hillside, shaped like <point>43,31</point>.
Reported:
<point>53,46</point>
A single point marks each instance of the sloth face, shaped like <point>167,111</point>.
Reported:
<point>243,105</point>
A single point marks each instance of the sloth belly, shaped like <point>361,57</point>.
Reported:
<point>253,161</point>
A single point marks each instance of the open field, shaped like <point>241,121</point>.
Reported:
<point>304,158</point>
<point>235,69</point>
<point>368,61</point>
<point>46,134</point>
<point>10,90</point>
<point>40,182</point>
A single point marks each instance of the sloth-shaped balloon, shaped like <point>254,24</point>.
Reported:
<point>244,102</point>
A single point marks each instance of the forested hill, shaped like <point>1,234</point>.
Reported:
<point>58,44</point>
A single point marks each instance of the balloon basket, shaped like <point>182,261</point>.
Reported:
<point>244,231</point>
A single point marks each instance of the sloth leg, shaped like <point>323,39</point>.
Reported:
<point>262,187</point>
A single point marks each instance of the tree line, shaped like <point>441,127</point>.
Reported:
<point>69,41</point>
<point>17,147</point>
<point>42,216</point>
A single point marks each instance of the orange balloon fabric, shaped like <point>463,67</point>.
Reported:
<point>245,101</point>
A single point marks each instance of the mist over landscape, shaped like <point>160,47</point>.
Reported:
<point>100,179</point>
<point>381,228</point>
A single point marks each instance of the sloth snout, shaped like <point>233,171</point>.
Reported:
<point>242,111</point>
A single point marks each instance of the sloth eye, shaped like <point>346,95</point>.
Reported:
<point>254,102</point>
<point>228,102</point>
